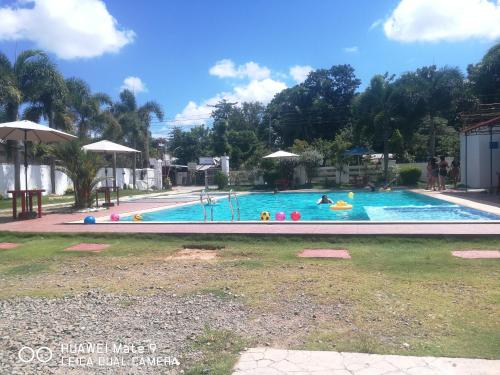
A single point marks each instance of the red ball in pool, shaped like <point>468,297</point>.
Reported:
<point>295,215</point>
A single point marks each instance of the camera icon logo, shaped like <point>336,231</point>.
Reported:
<point>27,354</point>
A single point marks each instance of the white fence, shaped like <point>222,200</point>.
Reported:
<point>39,178</point>
<point>349,174</point>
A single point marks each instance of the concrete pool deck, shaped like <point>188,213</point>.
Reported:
<point>59,222</point>
<point>269,361</point>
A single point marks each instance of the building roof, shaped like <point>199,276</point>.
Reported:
<point>483,126</point>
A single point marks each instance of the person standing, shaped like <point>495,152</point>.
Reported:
<point>443,172</point>
<point>455,171</point>
<point>429,174</point>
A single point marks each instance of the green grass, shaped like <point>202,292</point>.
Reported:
<point>393,291</point>
<point>220,349</point>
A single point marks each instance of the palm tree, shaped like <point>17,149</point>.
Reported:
<point>136,121</point>
<point>375,109</point>
<point>86,108</point>
<point>32,79</point>
<point>81,167</point>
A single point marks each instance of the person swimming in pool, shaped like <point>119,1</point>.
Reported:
<point>324,200</point>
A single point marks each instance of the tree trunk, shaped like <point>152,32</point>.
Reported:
<point>146,148</point>
<point>52,160</point>
<point>386,159</point>
<point>17,165</point>
<point>432,136</point>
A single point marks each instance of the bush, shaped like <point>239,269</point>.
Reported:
<point>221,180</point>
<point>69,191</point>
<point>410,175</point>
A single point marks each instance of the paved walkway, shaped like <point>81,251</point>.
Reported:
<point>267,361</point>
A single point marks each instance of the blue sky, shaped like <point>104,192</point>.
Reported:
<point>200,51</point>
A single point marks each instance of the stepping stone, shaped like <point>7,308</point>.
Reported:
<point>477,254</point>
<point>94,247</point>
<point>8,245</point>
<point>325,253</point>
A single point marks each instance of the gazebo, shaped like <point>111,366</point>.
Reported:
<point>108,147</point>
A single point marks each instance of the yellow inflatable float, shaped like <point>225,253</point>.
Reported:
<point>341,205</point>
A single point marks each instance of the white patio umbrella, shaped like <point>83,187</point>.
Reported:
<point>29,131</point>
<point>108,147</point>
<point>281,155</point>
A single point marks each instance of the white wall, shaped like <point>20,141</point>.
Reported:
<point>38,178</point>
<point>478,160</point>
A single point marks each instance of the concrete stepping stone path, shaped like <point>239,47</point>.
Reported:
<point>268,361</point>
<point>8,245</point>
<point>92,247</point>
<point>325,253</point>
<point>477,254</point>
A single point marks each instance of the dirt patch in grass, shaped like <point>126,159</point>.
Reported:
<point>195,254</point>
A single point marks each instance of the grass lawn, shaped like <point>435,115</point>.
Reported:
<point>395,296</point>
<point>51,199</point>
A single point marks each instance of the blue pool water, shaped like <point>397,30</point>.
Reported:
<point>399,205</point>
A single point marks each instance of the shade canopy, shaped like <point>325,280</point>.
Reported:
<point>29,131</point>
<point>357,151</point>
<point>109,147</point>
<point>281,155</point>
<point>25,130</point>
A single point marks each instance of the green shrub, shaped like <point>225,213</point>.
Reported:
<point>221,180</point>
<point>410,175</point>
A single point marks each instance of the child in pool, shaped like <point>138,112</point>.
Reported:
<point>324,200</point>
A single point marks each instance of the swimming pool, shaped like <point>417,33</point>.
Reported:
<point>398,205</point>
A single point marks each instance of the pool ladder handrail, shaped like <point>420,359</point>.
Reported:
<point>233,194</point>
<point>207,196</point>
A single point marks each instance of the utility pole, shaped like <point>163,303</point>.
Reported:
<point>270,121</point>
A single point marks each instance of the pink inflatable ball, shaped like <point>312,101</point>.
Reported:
<point>115,217</point>
<point>280,216</point>
<point>295,216</point>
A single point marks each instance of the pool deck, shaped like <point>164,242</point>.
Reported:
<point>60,223</point>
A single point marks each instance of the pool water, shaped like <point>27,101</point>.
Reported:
<point>399,205</point>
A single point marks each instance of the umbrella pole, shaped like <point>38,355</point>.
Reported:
<point>26,160</point>
<point>114,170</point>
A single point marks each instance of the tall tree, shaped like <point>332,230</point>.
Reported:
<point>135,121</point>
<point>485,76</point>
<point>317,108</point>
<point>87,109</point>
<point>434,92</point>
<point>32,79</point>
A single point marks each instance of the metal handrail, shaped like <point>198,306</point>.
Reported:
<point>204,193</point>
<point>233,194</point>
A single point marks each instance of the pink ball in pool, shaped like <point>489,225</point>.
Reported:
<point>280,216</point>
<point>114,217</point>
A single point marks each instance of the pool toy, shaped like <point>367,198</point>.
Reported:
<point>295,215</point>
<point>265,216</point>
<point>115,217</point>
<point>280,216</point>
<point>89,220</point>
<point>137,217</point>
<point>350,195</point>
<point>341,205</point>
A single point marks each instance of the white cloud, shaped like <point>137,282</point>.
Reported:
<point>134,84</point>
<point>376,24</point>
<point>258,88</point>
<point>436,20</point>
<point>70,28</point>
<point>262,91</point>
<point>226,68</point>
<point>299,73</point>
<point>352,49</point>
